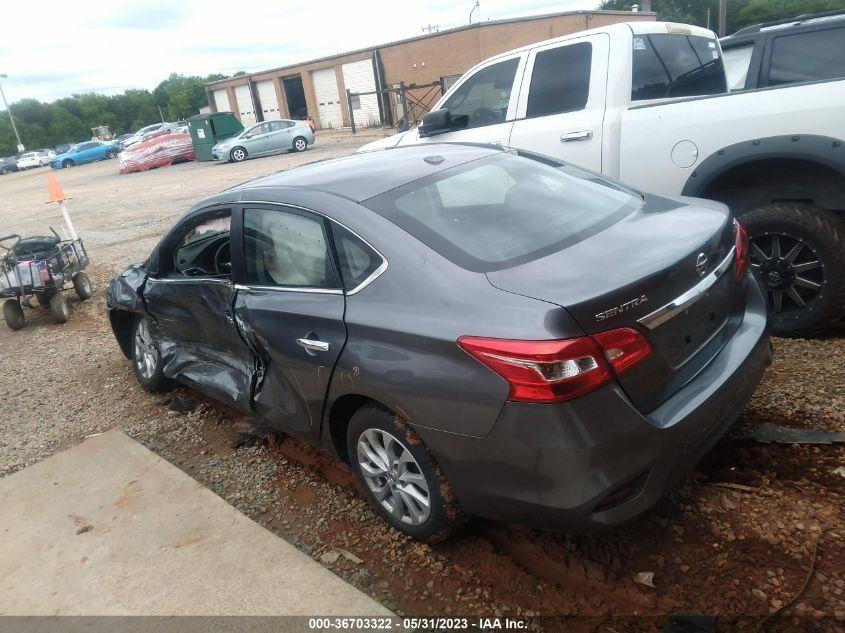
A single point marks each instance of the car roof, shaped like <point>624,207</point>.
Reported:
<point>749,33</point>
<point>361,176</point>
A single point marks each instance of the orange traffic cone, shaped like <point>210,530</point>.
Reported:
<point>54,189</point>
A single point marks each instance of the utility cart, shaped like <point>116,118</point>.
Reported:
<point>41,268</point>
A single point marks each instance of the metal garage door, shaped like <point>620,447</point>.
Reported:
<point>269,102</point>
<point>221,101</point>
<point>328,100</point>
<point>359,77</point>
<point>245,106</point>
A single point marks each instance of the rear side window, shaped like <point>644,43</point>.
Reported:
<point>675,65</point>
<point>737,62</point>
<point>483,98</point>
<point>504,210</point>
<point>357,260</point>
<point>808,57</point>
<point>286,249</point>
<point>560,81</point>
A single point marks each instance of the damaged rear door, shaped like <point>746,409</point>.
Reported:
<point>192,299</point>
<point>290,308</point>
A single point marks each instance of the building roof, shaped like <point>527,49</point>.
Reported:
<point>361,176</point>
<point>426,36</point>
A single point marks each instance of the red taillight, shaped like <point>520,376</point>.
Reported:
<point>623,348</point>
<point>554,371</point>
<point>743,254</point>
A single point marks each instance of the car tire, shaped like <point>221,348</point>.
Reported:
<point>146,358</point>
<point>67,163</point>
<point>58,306</point>
<point>238,154</point>
<point>783,270</point>
<point>300,144</point>
<point>13,314</point>
<point>82,286</point>
<point>111,153</point>
<point>3,171</point>
<point>410,476</point>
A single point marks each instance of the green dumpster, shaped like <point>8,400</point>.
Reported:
<point>209,129</point>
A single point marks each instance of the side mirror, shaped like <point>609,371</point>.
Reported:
<point>436,122</point>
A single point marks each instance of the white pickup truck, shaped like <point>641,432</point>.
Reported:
<point>647,103</point>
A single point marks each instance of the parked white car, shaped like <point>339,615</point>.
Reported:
<point>29,160</point>
<point>647,102</point>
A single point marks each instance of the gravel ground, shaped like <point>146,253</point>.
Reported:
<point>736,539</point>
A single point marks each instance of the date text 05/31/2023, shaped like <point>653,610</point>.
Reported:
<point>416,624</point>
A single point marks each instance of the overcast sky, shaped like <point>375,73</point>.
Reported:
<point>51,49</point>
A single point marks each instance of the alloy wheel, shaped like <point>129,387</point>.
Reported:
<point>238,154</point>
<point>789,268</point>
<point>146,352</point>
<point>301,145</point>
<point>393,476</point>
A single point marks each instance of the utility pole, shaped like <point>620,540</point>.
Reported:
<point>477,5</point>
<point>723,11</point>
<point>11,118</point>
<point>431,28</point>
<point>160,114</point>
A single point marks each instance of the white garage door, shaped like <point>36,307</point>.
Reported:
<point>221,101</point>
<point>328,100</point>
<point>269,102</point>
<point>245,106</point>
<point>359,77</point>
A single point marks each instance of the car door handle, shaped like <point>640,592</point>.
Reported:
<point>311,344</point>
<point>583,135</point>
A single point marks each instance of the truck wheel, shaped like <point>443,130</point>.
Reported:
<point>13,314</point>
<point>58,306</point>
<point>82,285</point>
<point>400,477</point>
<point>798,254</point>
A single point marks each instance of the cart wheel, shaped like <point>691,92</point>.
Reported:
<point>13,313</point>
<point>82,285</point>
<point>58,306</point>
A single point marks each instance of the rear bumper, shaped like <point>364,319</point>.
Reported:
<point>556,465</point>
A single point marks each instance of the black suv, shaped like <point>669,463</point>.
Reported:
<point>805,48</point>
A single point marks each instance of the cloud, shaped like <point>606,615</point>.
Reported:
<point>51,50</point>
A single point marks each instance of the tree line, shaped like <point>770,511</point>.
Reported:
<point>739,14</point>
<point>70,119</point>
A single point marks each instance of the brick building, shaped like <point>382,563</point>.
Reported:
<point>318,87</point>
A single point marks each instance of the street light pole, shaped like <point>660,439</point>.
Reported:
<point>11,118</point>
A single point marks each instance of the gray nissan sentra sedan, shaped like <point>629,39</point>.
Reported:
<point>477,331</point>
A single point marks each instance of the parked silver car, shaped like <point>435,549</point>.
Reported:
<point>265,138</point>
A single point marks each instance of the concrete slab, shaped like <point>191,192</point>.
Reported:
<point>109,528</point>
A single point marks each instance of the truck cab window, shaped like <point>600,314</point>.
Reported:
<point>560,81</point>
<point>483,98</point>
<point>674,65</point>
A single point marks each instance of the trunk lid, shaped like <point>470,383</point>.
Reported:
<point>637,266</point>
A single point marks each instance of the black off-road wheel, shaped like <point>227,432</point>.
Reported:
<point>13,314</point>
<point>238,154</point>
<point>43,300</point>
<point>798,254</point>
<point>399,477</point>
<point>82,286</point>
<point>58,306</point>
<point>146,357</point>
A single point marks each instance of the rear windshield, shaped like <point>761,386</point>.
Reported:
<point>676,65</point>
<point>504,210</point>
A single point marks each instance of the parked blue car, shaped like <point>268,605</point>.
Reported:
<point>82,153</point>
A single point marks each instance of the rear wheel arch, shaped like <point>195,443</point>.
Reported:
<point>340,414</point>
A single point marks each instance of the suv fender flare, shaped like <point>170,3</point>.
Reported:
<point>825,150</point>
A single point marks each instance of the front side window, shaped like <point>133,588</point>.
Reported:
<point>286,249</point>
<point>560,81</point>
<point>500,211</point>
<point>675,65</point>
<point>483,98</point>
<point>811,56</point>
<point>204,250</point>
<point>737,62</point>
